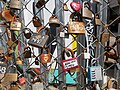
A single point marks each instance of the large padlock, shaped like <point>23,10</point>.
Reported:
<point>45,56</point>
<point>112,84</point>
<point>40,3</point>
<point>54,21</point>
<point>27,52</point>
<point>11,74</point>
<point>13,86</point>
<point>16,4</point>
<point>97,20</point>
<point>6,14</point>
<point>27,33</point>
<point>76,25</point>
<point>36,21</point>
<point>16,24</point>
<point>86,12</point>
<point>70,64</point>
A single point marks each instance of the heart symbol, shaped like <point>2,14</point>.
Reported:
<point>76,6</point>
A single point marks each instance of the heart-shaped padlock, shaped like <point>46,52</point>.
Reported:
<point>76,6</point>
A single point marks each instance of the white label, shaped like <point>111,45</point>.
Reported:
<point>86,55</point>
<point>70,64</point>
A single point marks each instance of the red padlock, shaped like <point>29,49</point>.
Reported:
<point>22,80</point>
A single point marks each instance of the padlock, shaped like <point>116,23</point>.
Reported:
<point>14,86</point>
<point>54,21</point>
<point>76,25</point>
<point>105,37</point>
<point>40,3</point>
<point>97,20</point>
<point>36,79</point>
<point>19,61</point>
<point>11,74</point>
<point>112,84</point>
<point>86,12</point>
<point>112,55</point>
<point>65,7</point>
<point>76,6</point>
<point>27,52</point>
<point>45,56</point>
<point>6,14</point>
<point>27,33</point>
<point>36,21</point>
<point>71,64</point>
<point>16,24</point>
<point>36,61</point>
<point>22,80</point>
<point>16,4</point>
<point>64,33</point>
<point>98,1</point>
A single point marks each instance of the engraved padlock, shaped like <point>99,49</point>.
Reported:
<point>54,21</point>
<point>86,10</point>
<point>16,4</point>
<point>16,23</point>
<point>76,25</point>
<point>27,52</point>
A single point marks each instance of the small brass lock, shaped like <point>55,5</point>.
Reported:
<point>27,52</point>
<point>97,20</point>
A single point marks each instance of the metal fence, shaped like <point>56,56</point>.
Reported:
<point>93,48</point>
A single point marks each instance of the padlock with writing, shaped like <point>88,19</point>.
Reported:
<point>16,23</point>
<point>11,74</point>
<point>54,21</point>
<point>16,4</point>
<point>86,12</point>
<point>76,25</point>
<point>27,52</point>
<point>45,56</point>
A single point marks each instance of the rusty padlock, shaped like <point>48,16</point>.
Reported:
<point>86,12</point>
<point>36,21</point>
<point>45,56</point>
<point>27,33</point>
<point>11,74</point>
<point>27,52</point>
<point>13,86</point>
<point>97,20</point>
<point>16,4</point>
<point>16,23</point>
<point>40,3</point>
<point>76,25</point>
<point>54,21</point>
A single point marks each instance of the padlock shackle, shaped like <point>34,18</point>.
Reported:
<point>86,3</point>
<point>64,51</point>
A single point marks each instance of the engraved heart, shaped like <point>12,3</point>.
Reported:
<point>76,6</point>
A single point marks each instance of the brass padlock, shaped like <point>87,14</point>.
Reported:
<point>76,25</point>
<point>105,37</point>
<point>19,61</point>
<point>16,4</point>
<point>27,52</point>
<point>11,74</point>
<point>65,7</point>
<point>6,14</point>
<point>40,3</point>
<point>45,56</point>
<point>97,20</point>
<point>54,21</point>
<point>86,12</point>
<point>13,86</point>
<point>27,33</point>
<point>36,21</point>
<point>16,24</point>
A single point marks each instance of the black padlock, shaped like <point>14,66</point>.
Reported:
<point>27,52</point>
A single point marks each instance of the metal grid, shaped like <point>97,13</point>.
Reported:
<point>60,44</point>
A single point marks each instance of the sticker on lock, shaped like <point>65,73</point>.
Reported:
<point>70,64</point>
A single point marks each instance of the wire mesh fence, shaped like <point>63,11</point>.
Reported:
<point>70,43</point>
